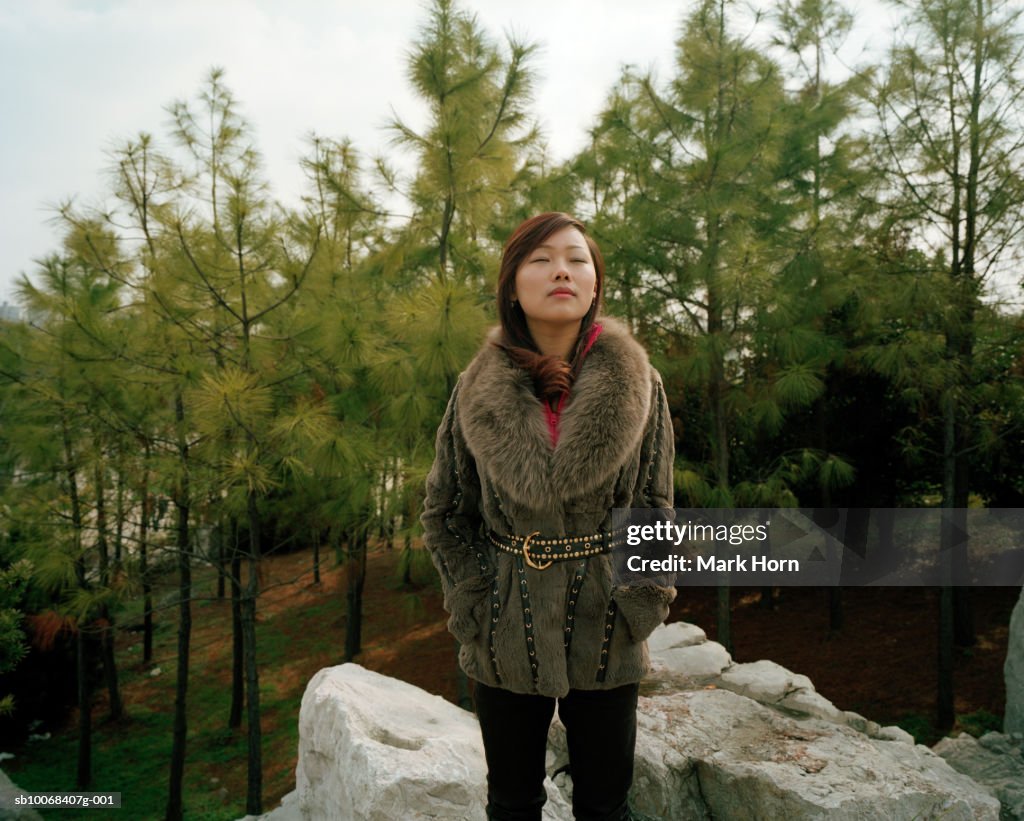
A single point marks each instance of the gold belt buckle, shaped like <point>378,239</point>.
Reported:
<point>526,553</point>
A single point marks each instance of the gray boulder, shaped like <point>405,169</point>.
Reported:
<point>712,753</point>
<point>374,748</point>
<point>995,760</point>
<point>716,740</point>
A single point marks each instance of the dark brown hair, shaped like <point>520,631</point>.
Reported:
<point>551,375</point>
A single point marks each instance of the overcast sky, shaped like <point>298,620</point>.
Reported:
<point>80,76</point>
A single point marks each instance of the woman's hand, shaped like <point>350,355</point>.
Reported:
<point>643,606</point>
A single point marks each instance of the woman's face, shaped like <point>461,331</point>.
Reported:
<point>556,282</point>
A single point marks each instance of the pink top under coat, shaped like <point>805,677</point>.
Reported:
<point>553,415</point>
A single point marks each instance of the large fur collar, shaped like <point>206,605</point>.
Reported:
<point>603,420</point>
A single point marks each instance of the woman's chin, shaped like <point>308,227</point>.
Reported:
<point>558,315</point>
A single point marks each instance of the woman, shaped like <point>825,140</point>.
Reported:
<point>557,420</point>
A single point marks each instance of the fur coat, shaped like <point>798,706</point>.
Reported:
<point>546,631</point>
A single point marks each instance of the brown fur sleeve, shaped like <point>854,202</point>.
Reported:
<point>644,605</point>
<point>451,513</point>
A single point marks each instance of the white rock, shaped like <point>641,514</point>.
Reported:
<point>695,661</point>
<point>894,733</point>
<point>994,760</point>
<point>861,724</point>
<point>559,806</point>
<point>677,634</point>
<point>811,703</point>
<point>715,753</point>
<point>374,748</point>
<point>764,681</point>
<point>1013,671</point>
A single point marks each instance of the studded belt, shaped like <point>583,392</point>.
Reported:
<point>556,549</point>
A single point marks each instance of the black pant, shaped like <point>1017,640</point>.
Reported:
<point>601,730</point>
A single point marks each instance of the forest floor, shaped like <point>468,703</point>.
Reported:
<point>881,665</point>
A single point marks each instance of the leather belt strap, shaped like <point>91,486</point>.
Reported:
<point>556,549</point>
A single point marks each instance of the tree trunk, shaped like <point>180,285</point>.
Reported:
<point>339,541</point>
<point>105,620</point>
<point>963,610</point>
<point>382,529</point>
<point>237,671</point>
<point>254,792</point>
<point>720,425</point>
<point>446,225</point>
<point>408,518</point>
<point>724,618</point>
<point>355,574</point>
<point>122,480</point>
<point>945,714</point>
<point>316,555</point>
<point>110,666</point>
<point>945,693</point>
<point>148,510</point>
<point>220,556</point>
<point>406,559</point>
<point>83,777</point>
<point>175,806</point>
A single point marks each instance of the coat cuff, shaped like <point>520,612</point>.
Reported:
<point>466,602</point>
<point>644,606</point>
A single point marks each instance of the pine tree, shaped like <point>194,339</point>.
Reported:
<point>470,152</point>
<point>949,109</point>
<point>62,375</point>
<point>696,217</point>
